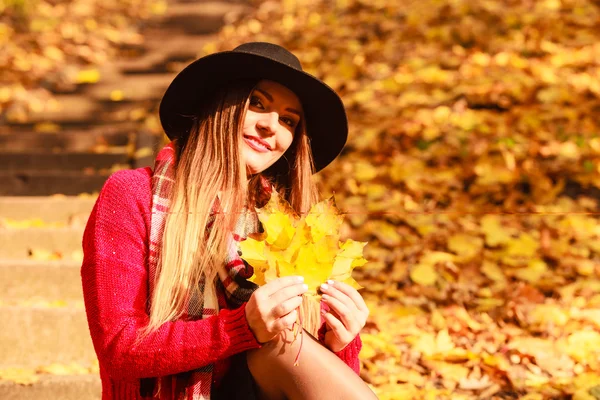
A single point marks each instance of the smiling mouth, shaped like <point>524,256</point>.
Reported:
<point>257,143</point>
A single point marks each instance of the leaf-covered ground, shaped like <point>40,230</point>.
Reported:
<point>53,46</point>
<point>473,171</point>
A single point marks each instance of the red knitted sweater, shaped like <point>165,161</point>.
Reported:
<point>115,287</point>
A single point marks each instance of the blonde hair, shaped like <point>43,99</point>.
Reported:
<point>209,164</point>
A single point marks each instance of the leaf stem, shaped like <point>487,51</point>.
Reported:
<point>297,359</point>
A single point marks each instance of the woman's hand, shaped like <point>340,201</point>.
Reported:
<point>272,307</point>
<point>347,314</point>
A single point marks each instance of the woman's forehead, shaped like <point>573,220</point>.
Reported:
<point>279,92</point>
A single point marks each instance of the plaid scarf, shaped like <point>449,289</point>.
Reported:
<point>229,288</point>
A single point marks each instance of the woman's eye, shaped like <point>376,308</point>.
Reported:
<point>288,121</point>
<point>255,101</point>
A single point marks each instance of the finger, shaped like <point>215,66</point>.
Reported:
<point>337,327</point>
<point>280,283</point>
<point>341,296</point>
<point>286,322</point>
<point>346,316</point>
<point>286,307</point>
<point>289,292</point>
<point>352,293</point>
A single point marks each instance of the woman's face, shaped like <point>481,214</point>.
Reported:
<point>271,120</point>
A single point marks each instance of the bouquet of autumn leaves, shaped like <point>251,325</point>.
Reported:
<point>308,246</point>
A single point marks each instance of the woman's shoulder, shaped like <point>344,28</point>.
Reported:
<point>133,185</point>
<point>138,178</point>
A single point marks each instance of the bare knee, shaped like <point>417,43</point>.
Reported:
<point>269,364</point>
<point>319,372</point>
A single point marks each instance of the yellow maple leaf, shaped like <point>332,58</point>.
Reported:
<point>533,272</point>
<point>307,246</point>
<point>495,233</point>
<point>21,376</point>
<point>309,265</point>
<point>345,261</point>
<point>466,246</point>
<point>523,246</point>
<point>301,238</point>
<point>88,76</point>
<point>280,229</point>
<point>324,219</point>
<point>424,273</point>
<point>493,272</point>
<point>254,254</point>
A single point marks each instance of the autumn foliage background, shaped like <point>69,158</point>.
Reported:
<point>472,169</point>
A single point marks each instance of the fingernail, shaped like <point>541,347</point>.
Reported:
<point>323,312</point>
<point>330,282</point>
<point>324,286</point>
<point>300,278</point>
<point>325,297</point>
<point>305,286</point>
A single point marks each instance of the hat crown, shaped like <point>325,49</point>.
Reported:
<point>272,51</point>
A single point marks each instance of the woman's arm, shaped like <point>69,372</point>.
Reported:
<point>115,285</point>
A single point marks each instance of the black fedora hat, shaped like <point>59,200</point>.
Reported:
<point>326,120</point>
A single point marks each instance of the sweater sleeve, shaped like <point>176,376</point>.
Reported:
<point>115,287</point>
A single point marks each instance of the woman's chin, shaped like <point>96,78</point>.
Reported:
<point>253,169</point>
<point>254,166</point>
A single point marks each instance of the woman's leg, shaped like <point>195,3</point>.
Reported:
<point>319,375</point>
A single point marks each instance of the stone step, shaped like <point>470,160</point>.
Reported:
<point>165,54</point>
<point>20,243</point>
<point>45,183</point>
<point>199,17</point>
<point>70,141</point>
<point>69,210</point>
<point>53,387</point>
<point>44,335</point>
<point>62,161</point>
<point>30,280</point>
<point>72,109</point>
<point>132,87</point>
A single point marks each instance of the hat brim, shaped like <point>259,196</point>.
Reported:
<point>326,121</point>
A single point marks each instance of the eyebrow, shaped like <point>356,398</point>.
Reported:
<point>270,98</point>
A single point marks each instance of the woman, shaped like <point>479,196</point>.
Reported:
<point>170,310</point>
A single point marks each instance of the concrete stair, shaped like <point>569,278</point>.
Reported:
<point>72,161</point>
<point>34,281</point>
<point>163,54</point>
<point>49,387</point>
<point>21,243</point>
<point>50,209</point>
<point>74,140</point>
<point>199,19</point>
<point>41,301</point>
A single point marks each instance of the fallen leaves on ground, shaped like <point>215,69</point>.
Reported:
<point>29,376</point>
<point>473,171</point>
<point>10,223</point>
<point>52,47</point>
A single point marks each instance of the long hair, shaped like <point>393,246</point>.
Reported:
<point>209,166</point>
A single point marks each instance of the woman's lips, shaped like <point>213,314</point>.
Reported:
<point>257,144</point>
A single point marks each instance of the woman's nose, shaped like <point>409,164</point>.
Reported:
<point>268,121</point>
